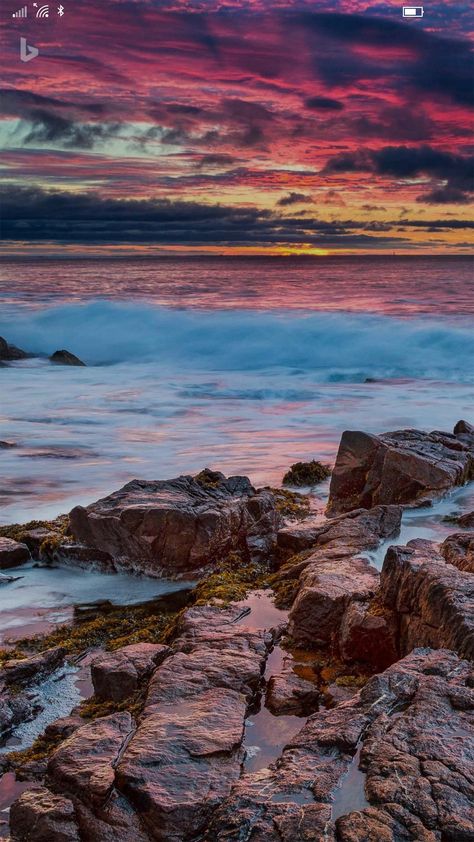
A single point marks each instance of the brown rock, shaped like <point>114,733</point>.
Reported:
<point>26,670</point>
<point>186,752</point>
<point>385,765</point>
<point>459,550</point>
<point>12,553</point>
<point>84,763</point>
<point>180,526</point>
<point>40,816</point>
<point>432,602</point>
<point>400,467</point>
<point>351,532</point>
<point>367,637</point>
<point>288,693</point>
<point>65,358</point>
<point>116,675</point>
<point>327,587</point>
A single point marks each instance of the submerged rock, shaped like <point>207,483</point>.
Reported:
<point>385,765</point>
<point>116,675</point>
<point>288,693</point>
<point>404,467</point>
<point>64,357</point>
<point>12,553</point>
<point>174,527</point>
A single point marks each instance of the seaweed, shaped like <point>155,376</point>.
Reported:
<point>306,473</point>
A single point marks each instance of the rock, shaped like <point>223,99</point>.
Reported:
<point>327,587</point>
<point>7,445</point>
<point>11,352</point>
<point>354,531</point>
<point>180,526</point>
<point>65,358</point>
<point>432,602</point>
<point>33,538</point>
<point>288,693</point>
<point>85,763</point>
<point>12,553</point>
<point>14,708</point>
<point>367,637</point>
<point>116,675</point>
<point>63,728</point>
<point>79,555</point>
<point>40,816</point>
<point>333,574</point>
<point>404,467</point>
<point>306,473</point>
<point>385,765</point>
<point>458,550</point>
<point>26,670</point>
<point>465,521</point>
<point>463,428</point>
<point>186,752</point>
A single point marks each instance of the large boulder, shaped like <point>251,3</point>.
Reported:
<point>12,553</point>
<point>385,766</point>
<point>404,467</point>
<point>431,601</point>
<point>179,526</point>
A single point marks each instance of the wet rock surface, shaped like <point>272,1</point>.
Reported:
<point>172,527</point>
<point>288,693</point>
<point>404,730</point>
<point>39,815</point>
<point>17,703</point>
<point>117,675</point>
<point>402,467</point>
<point>431,602</point>
<point>12,553</point>
<point>333,574</point>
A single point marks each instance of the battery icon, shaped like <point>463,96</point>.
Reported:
<point>413,11</point>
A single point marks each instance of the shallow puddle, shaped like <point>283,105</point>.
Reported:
<point>350,794</point>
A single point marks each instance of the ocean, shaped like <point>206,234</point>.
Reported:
<point>243,365</point>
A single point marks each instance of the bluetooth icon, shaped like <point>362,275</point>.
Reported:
<point>60,11</point>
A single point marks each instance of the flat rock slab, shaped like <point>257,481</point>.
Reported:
<point>431,601</point>
<point>186,752</point>
<point>116,675</point>
<point>12,553</point>
<point>174,527</point>
<point>386,765</point>
<point>352,531</point>
<point>402,467</point>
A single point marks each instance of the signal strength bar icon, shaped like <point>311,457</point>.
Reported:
<point>21,13</point>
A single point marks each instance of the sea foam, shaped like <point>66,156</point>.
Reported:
<point>103,333</point>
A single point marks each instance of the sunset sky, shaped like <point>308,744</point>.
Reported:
<point>238,127</point>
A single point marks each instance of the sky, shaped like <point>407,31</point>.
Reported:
<point>238,127</point>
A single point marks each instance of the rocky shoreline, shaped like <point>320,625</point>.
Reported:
<point>377,665</point>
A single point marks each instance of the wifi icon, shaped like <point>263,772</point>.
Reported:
<point>43,11</point>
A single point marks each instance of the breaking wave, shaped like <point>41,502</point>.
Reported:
<point>336,346</point>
